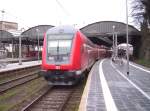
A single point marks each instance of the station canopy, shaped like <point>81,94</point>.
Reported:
<point>29,36</point>
<point>5,36</point>
<point>34,32</point>
<point>102,32</point>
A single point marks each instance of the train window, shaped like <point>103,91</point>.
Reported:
<point>52,44</point>
<point>59,47</point>
<point>65,46</point>
<point>58,50</point>
<point>52,47</point>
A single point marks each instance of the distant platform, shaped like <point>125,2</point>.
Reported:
<point>14,60</point>
<point>108,88</point>
<point>16,66</point>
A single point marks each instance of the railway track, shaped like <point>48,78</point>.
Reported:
<point>7,85</point>
<point>53,99</point>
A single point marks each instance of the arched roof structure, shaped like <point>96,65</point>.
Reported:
<point>28,36</point>
<point>31,35</point>
<point>106,28</point>
<point>34,32</point>
<point>102,33</point>
<point>5,36</point>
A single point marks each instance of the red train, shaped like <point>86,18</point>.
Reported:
<point>66,54</point>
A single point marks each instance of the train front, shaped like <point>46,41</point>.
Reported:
<point>56,56</point>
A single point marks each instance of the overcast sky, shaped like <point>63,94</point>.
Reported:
<point>29,13</point>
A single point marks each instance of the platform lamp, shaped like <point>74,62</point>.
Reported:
<point>1,28</point>
<point>116,49</point>
<point>2,11</point>
<point>20,55</point>
<point>127,38</point>
<point>37,30</point>
<point>113,40</point>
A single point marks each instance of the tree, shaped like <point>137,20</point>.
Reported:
<point>146,4</point>
<point>141,13</point>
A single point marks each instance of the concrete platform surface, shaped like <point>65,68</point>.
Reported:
<point>110,89</point>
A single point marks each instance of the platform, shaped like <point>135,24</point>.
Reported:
<point>15,60</point>
<point>109,88</point>
<point>16,66</point>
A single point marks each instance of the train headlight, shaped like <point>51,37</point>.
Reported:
<point>79,72</point>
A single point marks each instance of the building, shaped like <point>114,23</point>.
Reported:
<point>4,25</point>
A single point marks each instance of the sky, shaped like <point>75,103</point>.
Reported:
<point>29,13</point>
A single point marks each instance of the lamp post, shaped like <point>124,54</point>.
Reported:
<point>37,30</point>
<point>20,58</point>
<point>2,19</point>
<point>12,55</point>
<point>116,49</point>
<point>113,40</point>
<point>127,37</point>
<point>2,11</point>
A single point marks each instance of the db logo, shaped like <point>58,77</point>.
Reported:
<point>57,67</point>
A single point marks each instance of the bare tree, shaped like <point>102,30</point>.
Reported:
<point>138,11</point>
<point>141,13</point>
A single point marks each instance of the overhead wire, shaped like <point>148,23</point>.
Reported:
<point>63,8</point>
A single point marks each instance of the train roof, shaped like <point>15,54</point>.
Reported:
<point>62,30</point>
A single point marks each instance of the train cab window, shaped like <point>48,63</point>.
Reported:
<point>58,50</point>
<point>65,46</point>
<point>52,47</point>
<point>56,47</point>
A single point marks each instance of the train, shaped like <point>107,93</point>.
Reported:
<point>67,53</point>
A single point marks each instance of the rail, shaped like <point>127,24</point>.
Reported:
<point>7,85</point>
<point>53,98</point>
